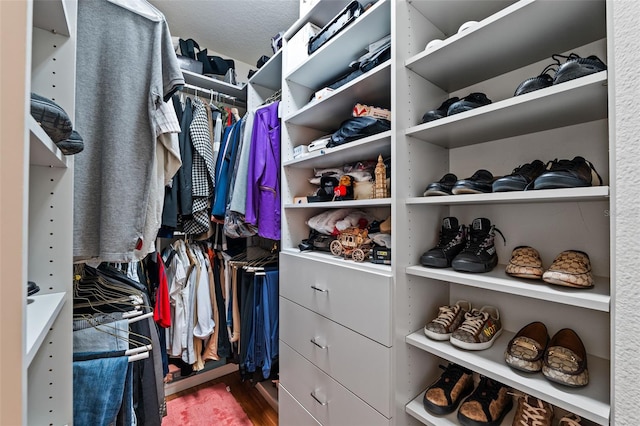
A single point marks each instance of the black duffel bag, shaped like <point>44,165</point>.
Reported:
<point>356,128</point>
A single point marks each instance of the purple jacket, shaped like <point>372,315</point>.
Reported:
<point>263,181</point>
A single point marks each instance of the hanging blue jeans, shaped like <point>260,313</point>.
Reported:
<point>98,387</point>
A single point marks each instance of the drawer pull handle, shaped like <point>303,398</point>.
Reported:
<point>321,290</point>
<point>317,344</point>
<point>317,400</point>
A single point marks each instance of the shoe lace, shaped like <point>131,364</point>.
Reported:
<point>523,169</point>
<point>447,237</point>
<point>550,67</point>
<point>446,314</point>
<point>473,321</point>
<point>479,240</point>
<point>533,414</point>
<point>556,57</point>
<point>570,165</point>
<point>571,420</point>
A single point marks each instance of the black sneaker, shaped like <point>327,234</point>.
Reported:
<point>72,145</point>
<point>567,174</point>
<point>576,67</point>
<point>441,112</point>
<point>52,118</point>
<point>538,82</point>
<point>520,178</point>
<point>444,395</point>
<point>481,182</point>
<point>487,405</point>
<point>479,254</point>
<point>469,102</point>
<point>452,241</point>
<point>32,288</point>
<point>442,187</point>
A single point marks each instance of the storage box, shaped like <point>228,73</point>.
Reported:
<point>297,46</point>
<point>361,110</point>
<point>300,151</point>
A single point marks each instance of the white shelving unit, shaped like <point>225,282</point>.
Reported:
<point>38,389</point>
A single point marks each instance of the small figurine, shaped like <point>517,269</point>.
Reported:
<point>344,190</point>
<point>380,185</point>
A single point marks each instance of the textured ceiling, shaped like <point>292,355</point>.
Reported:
<point>238,29</point>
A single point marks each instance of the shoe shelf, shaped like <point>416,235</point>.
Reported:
<point>366,148</point>
<point>346,46</point>
<point>590,402</point>
<point>416,409</point>
<point>373,202</point>
<point>576,101</point>
<point>516,38</point>
<point>592,193</point>
<point>270,74</point>
<point>596,298</point>
<point>372,88</point>
<point>42,150</point>
<point>42,311</point>
<point>51,15</point>
<point>339,261</point>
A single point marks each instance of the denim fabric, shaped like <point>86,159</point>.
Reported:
<point>258,332</point>
<point>271,324</point>
<point>107,337</point>
<point>246,319</point>
<point>127,415</point>
<point>98,388</point>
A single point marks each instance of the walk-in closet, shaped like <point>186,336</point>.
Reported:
<point>319,212</point>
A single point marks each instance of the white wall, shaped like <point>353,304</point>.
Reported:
<point>623,69</point>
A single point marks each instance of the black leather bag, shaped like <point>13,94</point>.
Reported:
<point>356,128</point>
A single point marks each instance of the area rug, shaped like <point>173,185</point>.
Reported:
<point>213,405</point>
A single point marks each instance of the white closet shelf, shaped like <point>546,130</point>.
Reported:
<point>515,38</point>
<point>590,402</point>
<point>320,14</point>
<point>416,409</point>
<point>563,195</point>
<point>51,15</point>
<point>596,298</point>
<point>270,74</point>
<point>239,92</point>
<point>358,150</point>
<point>372,88</point>
<point>41,313</point>
<point>42,150</point>
<point>448,15</point>
<point>340,261</point>
<point>576,101</point>
<point>343,48</point>
<point>374,202</point>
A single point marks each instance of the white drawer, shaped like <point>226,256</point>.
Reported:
<point>357,299</point>
<point>291,413</point>
<point>327,400</point>
<point>360,364</point>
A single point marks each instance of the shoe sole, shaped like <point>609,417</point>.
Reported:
<point>508,186</point>
<point>529,272</point>
<point>70,147</point>
<point>558,181</point>
<point>464,266</point>
<point>445,409</point>
<point>433,262</point>
<point>436,336</point>
<point>429,192</point>
<point>457,191</point>
<point>465,421</point>
<point>53,119</point>
<point>565,283</point>
<point>475,346</point>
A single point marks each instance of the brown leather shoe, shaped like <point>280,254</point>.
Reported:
<point>571,268</point>
<point>565,360</point>
<point>525,262</point>
<point>526,350</point>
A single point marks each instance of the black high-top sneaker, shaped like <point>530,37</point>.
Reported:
<point>479,254</point>
<point>451,242</point>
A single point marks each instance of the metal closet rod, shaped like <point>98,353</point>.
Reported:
<point>235,100</point>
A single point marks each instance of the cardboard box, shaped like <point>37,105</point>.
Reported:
<point>297,46</point>
<point>361,110</point>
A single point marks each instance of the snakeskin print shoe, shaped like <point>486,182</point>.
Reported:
<point>525,351</point>
<point>571,268</point>
<point>525,263</point>
<point>565,360</point>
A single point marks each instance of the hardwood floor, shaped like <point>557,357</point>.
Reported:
<point>252,402</point>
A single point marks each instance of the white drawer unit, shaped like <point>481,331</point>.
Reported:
<point>352,297</point>
<point>291,413</point>
<point>359,363</point>
<point>327,400</point>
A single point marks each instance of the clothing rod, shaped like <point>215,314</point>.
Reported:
<point>224,98</point>
<point>208,91</point>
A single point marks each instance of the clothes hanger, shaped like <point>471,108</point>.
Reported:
<point>140,7</point>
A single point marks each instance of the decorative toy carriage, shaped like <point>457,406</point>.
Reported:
<point>352,242</point>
